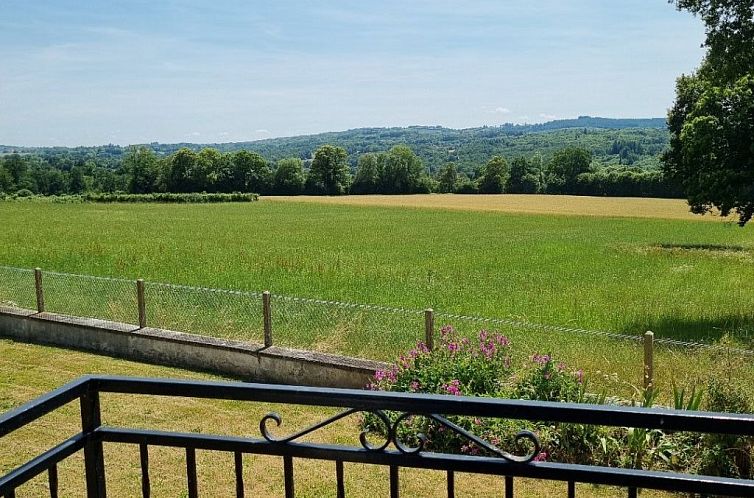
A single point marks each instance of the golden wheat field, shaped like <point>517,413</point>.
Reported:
<point>571,205</point>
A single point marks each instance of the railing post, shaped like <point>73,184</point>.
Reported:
<point>267,312</point>
<point>649,379</point>
<point>94,461</point>
<point>141,303</point>
<point>40,291</point>
<point>429,328</point>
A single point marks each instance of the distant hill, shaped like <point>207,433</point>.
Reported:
<point>612,141</point>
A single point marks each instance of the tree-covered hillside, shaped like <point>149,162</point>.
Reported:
<point>629,142</point>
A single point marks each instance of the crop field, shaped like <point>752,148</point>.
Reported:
<point>627,207</point>
<point>623,266</point>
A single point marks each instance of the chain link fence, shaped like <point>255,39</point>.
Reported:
<point>614,362</point>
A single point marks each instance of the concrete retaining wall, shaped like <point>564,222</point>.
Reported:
<point>247,361</point>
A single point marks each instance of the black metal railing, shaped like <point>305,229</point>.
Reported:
<point>391,452</point>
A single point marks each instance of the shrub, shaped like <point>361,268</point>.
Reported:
<point>482,366</point>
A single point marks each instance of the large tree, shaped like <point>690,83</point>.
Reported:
<point>494,176</point>
<point>403,172</point>
<point>142,167</point>
<point>711,123</point>
<point>565,167</point>
<point>368,173</point>
<point>289,177</point>
<point>329,173</point>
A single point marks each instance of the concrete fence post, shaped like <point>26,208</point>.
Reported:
<point>141,303</point>
<point>429,328</point>
<point>40,290</point>
<point>267,313</point>
<point>649,379</point>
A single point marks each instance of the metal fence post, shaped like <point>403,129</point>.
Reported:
<point>141,303</point>
<point>267,312</point>
<point>40,291</point>
<point>94,461</point>
<point>649,360</point>
<point>429,328</point>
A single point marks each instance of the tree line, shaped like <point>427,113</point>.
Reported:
<point>570,170</point>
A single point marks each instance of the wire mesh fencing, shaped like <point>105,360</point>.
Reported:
<point>368,331</point>
<point>17,288</point>
<point>616,363</point>
<point>91,297</point>
<point>213,312</point>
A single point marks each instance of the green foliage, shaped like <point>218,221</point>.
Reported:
<point>403,172</point>
<point>329,173</point>
<point>250,172</point>
<point>525,176</point>
<point>142,167</point>
<point>289,177</point>
<point>550,382</point>
<point>687,398</point>
<point>711,131</point>
<point>447,179</point>
<point>712,145</point>
<point>565,167</point>
<point>484,367</point>
<point>369,171</point>
<point>494,176</point>
<point>165,198</point>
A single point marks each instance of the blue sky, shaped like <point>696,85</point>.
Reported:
<point>85,72</point>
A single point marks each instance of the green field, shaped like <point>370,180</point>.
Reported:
<point>683,279</point>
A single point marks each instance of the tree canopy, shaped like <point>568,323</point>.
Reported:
<point>711,153</point>
<point>329,173</point>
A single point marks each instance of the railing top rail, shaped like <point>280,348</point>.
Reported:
<point>607,415</point>
<point>36,408</point>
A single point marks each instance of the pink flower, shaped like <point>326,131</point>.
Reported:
<point>502,340</point>
<point>541,359</point>
<point>561,366</point>
<point>453,387</point>
<point>414,386</point>
<point>541,457</point>
<point>453,347</point>
<point>580,376</point>
<point>446,330</point>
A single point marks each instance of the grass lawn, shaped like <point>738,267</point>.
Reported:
<point>606,269</point>
<point>26,371</point>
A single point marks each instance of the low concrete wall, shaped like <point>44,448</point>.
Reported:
<point>248,361</point>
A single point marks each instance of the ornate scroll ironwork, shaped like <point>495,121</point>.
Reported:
<point>391,434</point>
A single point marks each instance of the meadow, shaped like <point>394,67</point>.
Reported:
<point>624,266</point>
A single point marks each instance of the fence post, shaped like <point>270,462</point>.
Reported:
<point>267,312</point>
<point>40,291</point>
<point>649,360</point>
<point>141,303</point>
<point>429,328</point>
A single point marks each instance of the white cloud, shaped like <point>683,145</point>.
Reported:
<point>502,110</point>
<point>263,131</point>
<point>195,134</point>
<point>548,117</point>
